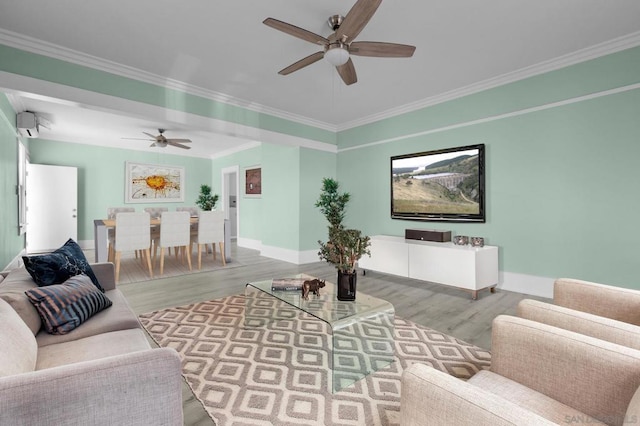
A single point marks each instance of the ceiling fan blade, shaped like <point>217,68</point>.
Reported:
<point>347,72</point>
<point>179,140</point>
<point>295,31</point>
<point>179,145</point>
<point>150,135</point>
<point>357,19</point>
<point>153,145</point>
<point>302,63</point>
<point>139,139</point>
<point>381,49</point>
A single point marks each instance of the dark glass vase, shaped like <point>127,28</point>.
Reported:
<point>347,285</point>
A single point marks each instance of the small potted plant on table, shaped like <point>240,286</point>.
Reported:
<point>345,246</point>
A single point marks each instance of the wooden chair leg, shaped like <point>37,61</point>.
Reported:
<point>224,260</point>
<point>147,253</point>
<point>213,250</point>
<point>161,260</point>
<point>117,260</point>
<point>188,255</point>
<point>200,255</point>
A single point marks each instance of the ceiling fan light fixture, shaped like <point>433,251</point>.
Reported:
<point>337,54</point>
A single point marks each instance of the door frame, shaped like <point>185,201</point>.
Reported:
<point>224,174</point>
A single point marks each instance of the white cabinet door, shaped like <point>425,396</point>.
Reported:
<point>389,255</point>
<point>52,206</point>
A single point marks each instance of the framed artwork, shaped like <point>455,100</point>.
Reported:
<point>253,181</point>
<point>154,183</point>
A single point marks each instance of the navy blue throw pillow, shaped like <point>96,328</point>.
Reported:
<point>57,267</point>
<point>63,307</point>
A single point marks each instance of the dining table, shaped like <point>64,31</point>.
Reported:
<point>101,241</point>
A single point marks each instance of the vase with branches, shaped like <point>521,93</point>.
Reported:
<point>344,247</point>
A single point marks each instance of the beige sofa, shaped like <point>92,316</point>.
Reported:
<point>539,375</point>
<point>102,373</point>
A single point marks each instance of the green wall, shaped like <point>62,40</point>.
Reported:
<point>101,176</point>
<point>284,215</point>
<point>11,244</point>
<point>561,169</point>
<point>561,155</point>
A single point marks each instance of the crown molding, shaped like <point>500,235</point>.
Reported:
<point>583,55</point>
<point>41,47</point>
<point>45,48</point>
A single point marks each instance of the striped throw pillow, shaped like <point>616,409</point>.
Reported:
<point>63,307</point>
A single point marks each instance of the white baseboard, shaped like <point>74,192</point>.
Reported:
<point>526,284</point>
<point>249,243</point>
<point>291,256</point>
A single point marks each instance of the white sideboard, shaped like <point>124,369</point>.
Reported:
<point>466,267</point>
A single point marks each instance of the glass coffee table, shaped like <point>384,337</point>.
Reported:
<point>361,331</point>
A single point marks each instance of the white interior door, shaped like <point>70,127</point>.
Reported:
<point>52,206</point>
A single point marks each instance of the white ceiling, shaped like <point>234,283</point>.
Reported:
<point>222,50</point>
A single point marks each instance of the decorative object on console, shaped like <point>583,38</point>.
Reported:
<point>205,200</point>
<point>477,241</point>
<point>445,185</point>
<point>312,286</point>
<point>345,246</point>
<point>461,240</point>
<point>427,235</point>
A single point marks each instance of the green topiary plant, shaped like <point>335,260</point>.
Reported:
<point>205,200</point>
<point>345,246</point>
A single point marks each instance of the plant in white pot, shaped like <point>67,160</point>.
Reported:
<point>206,201</point>
<point>345,246</point>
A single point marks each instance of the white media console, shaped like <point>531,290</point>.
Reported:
<point>466,267</point>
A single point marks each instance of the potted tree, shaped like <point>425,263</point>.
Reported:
<point>345,246</point>
<point>205,200</point>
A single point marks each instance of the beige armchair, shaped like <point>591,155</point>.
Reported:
<point>539,375</point>
<point>596,310</point>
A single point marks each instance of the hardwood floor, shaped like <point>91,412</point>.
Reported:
<point>442,308</point>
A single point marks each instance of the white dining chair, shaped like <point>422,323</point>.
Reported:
<point>174,232</point>
<point>155,213</point>
<point>193,211</point>
<point>210,231</point>
<point>111,234</point>
<point>132,233</point>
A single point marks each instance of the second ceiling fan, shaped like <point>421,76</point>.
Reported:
<point>340,45</point>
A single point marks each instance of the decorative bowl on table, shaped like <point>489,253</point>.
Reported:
<point>477,242</point>
<point>461,240</point>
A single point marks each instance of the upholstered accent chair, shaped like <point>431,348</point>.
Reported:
<point>539,375</point>
<point>597,310</point>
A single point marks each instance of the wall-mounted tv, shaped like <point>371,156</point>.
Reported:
<point>443,185</point>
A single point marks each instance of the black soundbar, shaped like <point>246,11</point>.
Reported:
<point>427,235</point>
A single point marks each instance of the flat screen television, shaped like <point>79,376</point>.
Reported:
<point>444,185</point>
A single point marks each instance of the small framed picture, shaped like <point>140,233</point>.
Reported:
<point>253,181</point>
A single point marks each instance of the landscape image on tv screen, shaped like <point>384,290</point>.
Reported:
<point>442,185</point>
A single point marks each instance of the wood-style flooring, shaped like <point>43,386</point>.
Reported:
<point>442,308</point>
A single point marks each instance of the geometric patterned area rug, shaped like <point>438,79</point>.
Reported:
<point>279,374</point>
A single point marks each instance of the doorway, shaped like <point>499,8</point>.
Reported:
<point>230,192</point>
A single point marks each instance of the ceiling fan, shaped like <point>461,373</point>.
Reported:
<point>161,141</point>
<point>340,45</point>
